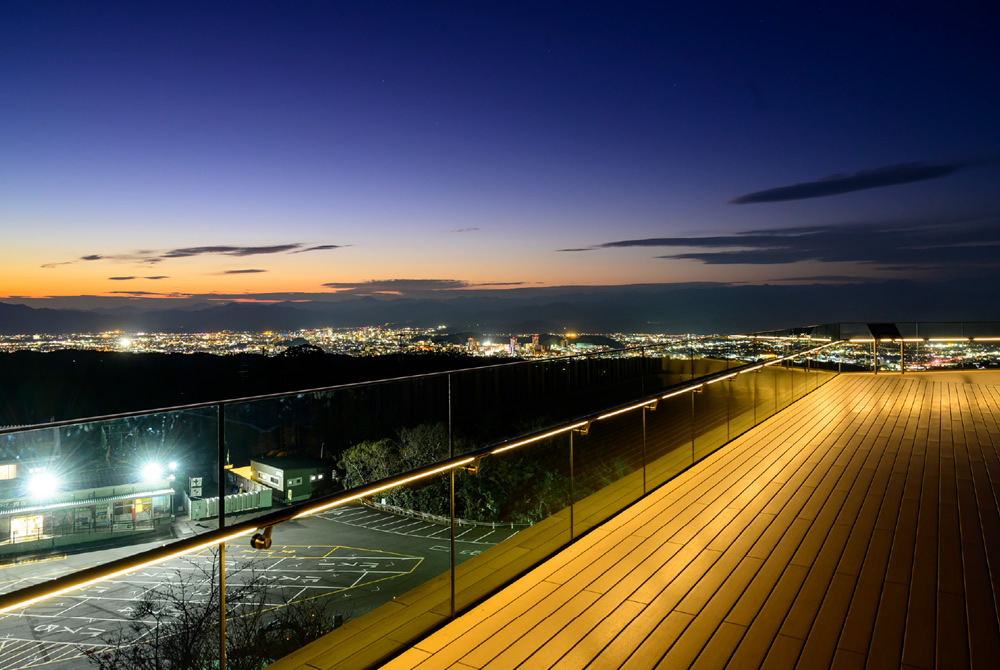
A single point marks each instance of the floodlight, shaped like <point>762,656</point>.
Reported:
<point>152,472</point>
<point>43,484</point>
<point>172,465</point>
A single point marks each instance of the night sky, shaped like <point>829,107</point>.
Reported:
<point>171,153</point>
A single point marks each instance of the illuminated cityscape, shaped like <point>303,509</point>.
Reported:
<point>919,354</point>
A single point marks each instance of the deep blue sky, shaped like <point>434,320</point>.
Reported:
<point>205,150</point>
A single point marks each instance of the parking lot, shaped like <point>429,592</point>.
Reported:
<point>354,558</point>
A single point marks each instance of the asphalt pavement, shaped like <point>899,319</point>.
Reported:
<point>353,558</point>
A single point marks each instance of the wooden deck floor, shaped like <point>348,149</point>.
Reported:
<point>859,527</point>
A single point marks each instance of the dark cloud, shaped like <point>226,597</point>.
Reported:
<point>243,272</point>
<point>825,278</point>
<point>157,277</point>
<point>230,251</point>
<point>920,247</point>
<point>581,249</point>
<point>465,230</point>
<point>320,247</point>
<point>120,278</point>
<point>836,184</point>
<point>411,287</point>
<point>499,283</point>
<point>400,285</point>
<point>153,257</point>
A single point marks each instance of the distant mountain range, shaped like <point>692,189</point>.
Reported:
<point>661,308</point>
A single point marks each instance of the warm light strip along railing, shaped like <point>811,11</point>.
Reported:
<point>81,582</point>
<point>536,438</point>
<point>686,390</point>
<point>376,489</point>
<point>626,409</point>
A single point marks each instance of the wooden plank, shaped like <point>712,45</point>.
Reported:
<point>588,646</point>
<point>858,526</point>
<point>533,642</point>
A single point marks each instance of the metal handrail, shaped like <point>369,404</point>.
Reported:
<point>29,595</point>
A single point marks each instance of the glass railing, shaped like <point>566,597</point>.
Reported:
<point>378,511</point>
<point>904,346</point>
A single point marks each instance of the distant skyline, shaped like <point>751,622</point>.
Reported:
<point>165,154</point>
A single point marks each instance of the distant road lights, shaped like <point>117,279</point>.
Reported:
<point>43,484</point>
<point>152,472</point>
<point>125,342</point>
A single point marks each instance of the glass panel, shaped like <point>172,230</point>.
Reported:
<point>375,579</point>
<point>707,366</point>
<point>782,384</point>
<point>711,418</point>
<point>308,445</point>
<point>80,493</point>
<point>513,513</point>
<point>666,366</point>
<point>613,379</point>
<point>498,403</point>
<point>741,403</point>
<point>668,439</point>
<point>607,469</point>
<point>765,381</point>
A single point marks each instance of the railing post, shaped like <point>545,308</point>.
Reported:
<point>572,490</point>
<point>451,506</point>
<point>643,411</point>
<point>222,545</point>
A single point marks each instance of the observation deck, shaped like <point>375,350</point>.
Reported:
<point>736,501</point>
<point>858,527</point>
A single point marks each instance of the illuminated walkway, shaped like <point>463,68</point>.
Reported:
<point>860,526</point>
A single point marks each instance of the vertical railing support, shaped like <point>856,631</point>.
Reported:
<point>902,362</point>
<point>222,545</point>
<point>451,506</point>
<point>572,488</point>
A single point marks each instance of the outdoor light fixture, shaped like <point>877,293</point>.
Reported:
<point>43,484</point>
<point>152,471</point>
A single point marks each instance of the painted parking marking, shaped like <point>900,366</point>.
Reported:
<point>417,528</point>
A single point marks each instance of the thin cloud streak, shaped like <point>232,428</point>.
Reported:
<point>321,247</point>
<point>230,251</point>
<point>917,247</point>
<point>837,184</point>
<point>411,286</point>
<point>153,257</point>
